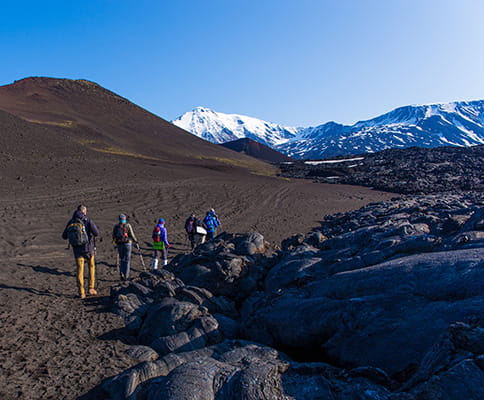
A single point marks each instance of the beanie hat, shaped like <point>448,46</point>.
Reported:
<point>161,221</point>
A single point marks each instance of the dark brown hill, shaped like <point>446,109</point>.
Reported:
<point>256,150</point>
<point>88,117</point>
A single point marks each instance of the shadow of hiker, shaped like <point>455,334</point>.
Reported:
<point>98,304</point>
<point>47,270</point>
<point>124,335</point>
<point>33,291</point>
<point>106,264</point>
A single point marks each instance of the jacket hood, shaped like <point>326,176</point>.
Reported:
<point>78,215</point>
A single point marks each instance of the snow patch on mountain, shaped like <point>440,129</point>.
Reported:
<point>219,128</point>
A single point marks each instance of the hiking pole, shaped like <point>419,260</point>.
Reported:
<point>141,256</point>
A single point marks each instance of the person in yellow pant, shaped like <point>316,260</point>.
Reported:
<point>81,231</point>
<point>80,276</point>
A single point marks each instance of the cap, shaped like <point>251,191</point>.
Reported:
<point>122,217</point>
<point>161,221</point>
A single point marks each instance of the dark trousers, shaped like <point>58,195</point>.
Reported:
<point>124,251</point>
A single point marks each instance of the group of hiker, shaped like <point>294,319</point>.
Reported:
<point>200,230</point>
<point>81,232</point>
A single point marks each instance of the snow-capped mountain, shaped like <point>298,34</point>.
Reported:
<point>221,128</point>
<point>433,125</point>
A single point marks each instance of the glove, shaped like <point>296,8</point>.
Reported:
<point>169,246</point>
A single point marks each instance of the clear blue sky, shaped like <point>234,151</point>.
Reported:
<point>297,63</point>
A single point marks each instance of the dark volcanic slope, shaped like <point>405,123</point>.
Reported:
<point>91,117</point>
<point>256,150</point>
<point>412,171</point>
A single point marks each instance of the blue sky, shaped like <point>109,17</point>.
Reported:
<point>296,63</point>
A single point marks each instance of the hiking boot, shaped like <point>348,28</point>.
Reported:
<point>92,292</point>
<point>82,296</point>
<point>122,277</point>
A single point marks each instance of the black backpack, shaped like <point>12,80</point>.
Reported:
<point>191,225</point>
<point>76,233</point>
<point>121,234</point>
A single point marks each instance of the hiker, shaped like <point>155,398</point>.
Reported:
<point>160,244</point>
<point>81,232</point>
<point>195,231</point>
<point>211,223</point>
<point>191,228</point>
<point>123,237</point>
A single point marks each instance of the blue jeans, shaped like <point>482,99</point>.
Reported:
<point>124,251</point>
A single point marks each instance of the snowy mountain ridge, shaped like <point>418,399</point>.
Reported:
<point>221,128</point>
<point>431,125</point>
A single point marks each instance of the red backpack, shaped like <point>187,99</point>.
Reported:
<point>121,234</point>
<point>156,234</point>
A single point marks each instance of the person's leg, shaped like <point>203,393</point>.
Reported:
<point>122,261</point>
<point>154,262</point>
<point>92,275</point>
<point>80,276</point>
<point>127,255</point>
<point>165,256</point>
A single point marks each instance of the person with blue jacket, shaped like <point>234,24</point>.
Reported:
<point>83,252</point>
<point>211,223</point>
<point>160,243</point>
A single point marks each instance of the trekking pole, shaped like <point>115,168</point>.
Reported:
<point>141,256</point>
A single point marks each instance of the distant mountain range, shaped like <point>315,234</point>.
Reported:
<point>433,125</point>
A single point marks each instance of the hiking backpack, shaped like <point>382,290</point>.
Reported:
<point>121,234</point>
<point>76,233</point>
<point>156,234</point>
<point>210,222</point>
<point>191,224</point>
